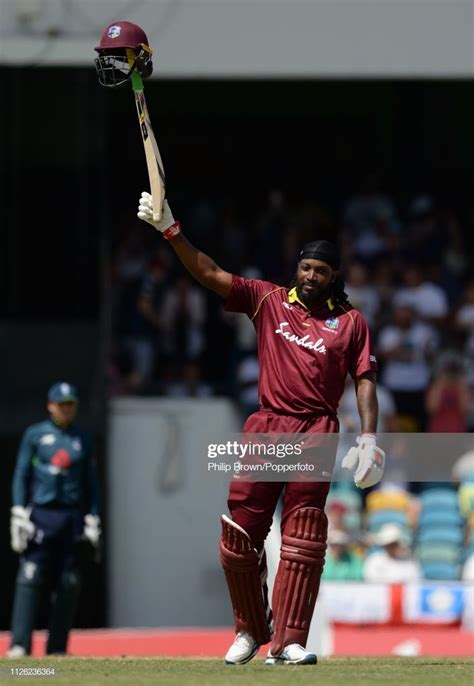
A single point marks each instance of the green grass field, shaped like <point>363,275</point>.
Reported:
<point>400,671</point>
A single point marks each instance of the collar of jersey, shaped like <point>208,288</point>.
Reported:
<point>293,297</point>
<point>58,426</point>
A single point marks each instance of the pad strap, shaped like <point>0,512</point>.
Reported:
<point>303,548</point>
<point>245,572</point>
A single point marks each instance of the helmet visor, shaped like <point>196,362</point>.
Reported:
<point>112,70</point>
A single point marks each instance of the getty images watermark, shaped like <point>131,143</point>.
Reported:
<point>409,457</point>
<point>261,456</point>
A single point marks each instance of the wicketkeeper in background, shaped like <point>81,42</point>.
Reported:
<point>55,505</point>
<point>309,339</point>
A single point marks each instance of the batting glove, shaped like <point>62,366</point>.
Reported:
<point>92,529</point>
<point>167,226</point>
<point>22,528</point>
<point>367,459</point>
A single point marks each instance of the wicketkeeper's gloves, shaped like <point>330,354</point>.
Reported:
<point>167,226</point>
<point>92,529</point>
<point>22,528</point>
<point>367,459</point>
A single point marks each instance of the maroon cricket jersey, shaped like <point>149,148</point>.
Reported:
<point>304,355</point>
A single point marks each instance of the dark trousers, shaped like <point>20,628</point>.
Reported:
<point>55,546</point>
<point>53,552</point>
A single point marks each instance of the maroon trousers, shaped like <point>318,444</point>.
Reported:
<point>252,504</point>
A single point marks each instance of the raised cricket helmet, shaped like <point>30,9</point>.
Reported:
<point>123,49</point>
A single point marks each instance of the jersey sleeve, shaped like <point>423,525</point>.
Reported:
<point>23,470</point>
<point>363,357</point>
<point>246,295</point>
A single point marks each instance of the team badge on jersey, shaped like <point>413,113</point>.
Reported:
<point>331,324</point>
<point>47,439</point>
<point>61,459</point>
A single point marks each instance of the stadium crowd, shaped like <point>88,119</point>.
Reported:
<point>407,264</point>
<point>406,269</point>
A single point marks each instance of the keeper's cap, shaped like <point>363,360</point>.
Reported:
<point>63,392</point>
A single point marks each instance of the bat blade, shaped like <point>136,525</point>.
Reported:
<point>156,173</point>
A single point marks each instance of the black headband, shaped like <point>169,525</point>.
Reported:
<point>321,250</point>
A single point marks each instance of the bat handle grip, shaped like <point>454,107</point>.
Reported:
<point>137,83</point>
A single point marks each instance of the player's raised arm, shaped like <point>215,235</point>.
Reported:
<point>198,264</point>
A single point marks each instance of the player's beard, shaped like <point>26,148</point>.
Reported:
<point>317,296</point>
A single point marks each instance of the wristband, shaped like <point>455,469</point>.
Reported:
<point>172,231</point>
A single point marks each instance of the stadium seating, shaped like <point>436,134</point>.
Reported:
<point>432,517</point>
<point>445,535</point>
<point>445,571</point>
<point>387,499</point>
<point>438,552</point>
<point>375,520</point>
<point>440,534</point>
<point>439,498</point>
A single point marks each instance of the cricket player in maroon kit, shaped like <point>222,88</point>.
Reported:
<point>309,339</point>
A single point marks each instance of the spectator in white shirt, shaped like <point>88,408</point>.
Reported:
<point>405,348</point>
<point>427,299</point>
<point>393,563</point>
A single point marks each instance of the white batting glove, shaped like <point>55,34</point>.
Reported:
<point>92,529</point>
<point>367,459</point>
<point>167,225</point>
<point>22,528</point>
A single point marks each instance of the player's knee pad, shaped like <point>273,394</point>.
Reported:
<point>246,581</point>
<point>29,574</point>
<point>304,537</point>
<point>303,549</point>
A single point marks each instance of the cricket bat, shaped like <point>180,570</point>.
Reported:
<point>154,162</point>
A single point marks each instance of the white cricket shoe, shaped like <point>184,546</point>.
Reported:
<point>292,654</point>
<point>15,651</point>
<point>242,650</point>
